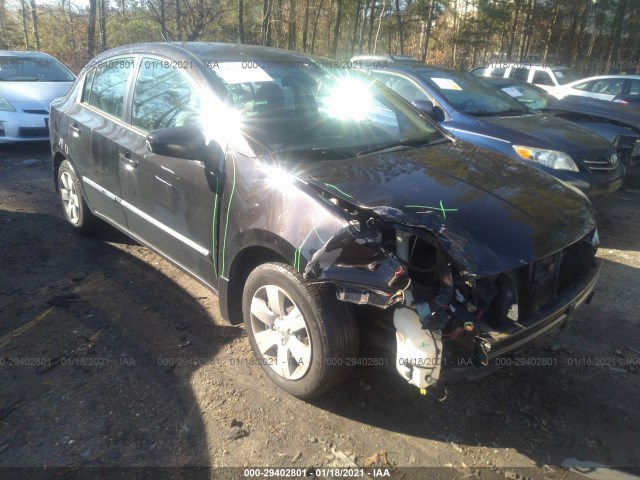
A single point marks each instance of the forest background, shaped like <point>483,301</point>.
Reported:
<point>591,36</point>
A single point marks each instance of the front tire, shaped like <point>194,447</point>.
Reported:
<point>304,338</point>
<point>74,204</point>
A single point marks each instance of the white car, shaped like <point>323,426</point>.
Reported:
<point>614,88</point>
<point>29,81</point>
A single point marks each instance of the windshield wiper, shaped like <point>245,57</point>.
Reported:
<point>501,113</point>
<point>416,142</point>
<point>319,153</point>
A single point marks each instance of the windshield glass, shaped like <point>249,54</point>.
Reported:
<point>531,97</point>
<point>301,106</point>
<point>565,76</point>
<point>472,95</point>
<point>22,69</point>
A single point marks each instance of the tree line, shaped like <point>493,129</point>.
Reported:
<point>592,36</point>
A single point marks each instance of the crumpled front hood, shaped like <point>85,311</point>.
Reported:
<point>491,214</point>
<point>543,131</point>
<point>33,91</point>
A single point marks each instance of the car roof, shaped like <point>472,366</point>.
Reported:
<point>19,54</point>
<point>604,77</point>
<point>212,51</point>
<point>527,65</point>
<point>385,58</point>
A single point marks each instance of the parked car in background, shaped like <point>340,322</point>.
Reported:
<point>479,113</point>
<point>550,78</point>
<point>616,123</point>
<point>293,189</point>
<point>29,81</point>
<point>624,89</point>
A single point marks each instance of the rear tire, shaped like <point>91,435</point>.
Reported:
<point>304,338</point>
<point>74,204</point>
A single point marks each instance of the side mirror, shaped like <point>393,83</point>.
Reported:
<point>179,142</point>
<point>427,108</point>
<point>213,160</point>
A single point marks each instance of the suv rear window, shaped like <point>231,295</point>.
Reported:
<point>498,72</point>
<point>540,77</point>
<point>519,74</point>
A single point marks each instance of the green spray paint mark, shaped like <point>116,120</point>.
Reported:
<point>213,229</point>
<point>337,189</point>
<point>441,208</point>
<point>226,225</point>
<point>298,252</point>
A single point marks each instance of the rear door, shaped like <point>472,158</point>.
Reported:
<point>167,201</point>
<point>95,130</point>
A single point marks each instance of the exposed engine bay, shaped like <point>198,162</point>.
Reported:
<point>443,314</point>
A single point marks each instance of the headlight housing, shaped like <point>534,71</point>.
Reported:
<point>5,106</point>
<point>548,158</point>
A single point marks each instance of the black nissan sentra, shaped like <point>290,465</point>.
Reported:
<point>317,204</point>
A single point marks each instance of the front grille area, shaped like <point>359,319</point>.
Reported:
<point>33,132</point>
<point>598,163</point>
<point>37,112</point>
<point>542,281</point>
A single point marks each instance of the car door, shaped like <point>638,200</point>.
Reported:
<point>168,201</point>
<point>95,128</point>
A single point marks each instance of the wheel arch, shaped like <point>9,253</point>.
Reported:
<point>243,263</point>
<point>58,158</point>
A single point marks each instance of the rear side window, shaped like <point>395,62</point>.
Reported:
<point>109,86</point>
<point>519,74</point>
<point>541,77</point>
<point>586,86</point>
<point>498,72</point>
<point>403,87</point>
<point>163,97</point>
<point>634,87</point>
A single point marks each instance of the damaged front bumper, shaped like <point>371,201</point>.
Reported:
<point>449,324</point>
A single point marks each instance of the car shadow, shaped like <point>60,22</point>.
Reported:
<point>120,342</point>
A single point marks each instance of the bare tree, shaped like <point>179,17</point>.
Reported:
<point>103,25</point>
<point>291,44</point>
<point>305,26</point>
<point>382,8</point>
<point>91,30</point>
<point>34,18</point>
<point>240,21</point>
<point>427,31</point>
<point>336,28</point>
<point>266,23</point>
<point>399,20</point>
<point>179,21</point>
<point>25,32</point>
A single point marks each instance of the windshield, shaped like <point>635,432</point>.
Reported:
<point>565,76</point>
<point>332,113</point>
<point>42,69</point>
<point>531,97</point>
<point>472,95</point>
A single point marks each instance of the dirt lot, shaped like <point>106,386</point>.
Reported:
<point>109,356</point>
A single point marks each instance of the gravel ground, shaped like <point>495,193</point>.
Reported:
<point>109,356</point>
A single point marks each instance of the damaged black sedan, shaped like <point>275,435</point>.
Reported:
<point>304,194</point>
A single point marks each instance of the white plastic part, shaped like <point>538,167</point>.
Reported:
<point>419,355</point>
<point>402,245</point>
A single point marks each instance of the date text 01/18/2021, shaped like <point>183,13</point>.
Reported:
<point>311,472</point>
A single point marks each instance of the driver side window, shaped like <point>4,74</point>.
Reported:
<point>163,97</point>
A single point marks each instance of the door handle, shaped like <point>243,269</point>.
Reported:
<point>126,158</point>
<point>75,130</point>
